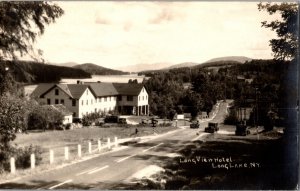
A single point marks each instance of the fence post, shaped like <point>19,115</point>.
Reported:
<point>79,150</point>
<point>99,145</point>
<point>108,143</point>
<point>90,147</point>
<point>66,153</point>
<point>32,161</point>
<point>12,165</point>
<point>116,141</point>
<point>51,156</point>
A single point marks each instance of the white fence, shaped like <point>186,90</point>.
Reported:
<point>53,157</point>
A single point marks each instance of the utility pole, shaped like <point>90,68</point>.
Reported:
<point>256,113</point>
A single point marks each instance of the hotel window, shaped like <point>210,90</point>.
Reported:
<point>56,92</point>
<point>48,101</point>
<point>74,114</point>
<point>91,101</point>
<point>62,101</point>
<point>95,110</point>
<point>139,98</point>
<point>129,98</point>
<point>87,92</point>
<point>146,97</point>
<point>87,102</point>
<point>56,101</point>
<point>119,98</point>
<point>73,102</point>
<point>100,99</point>
<point>105,99</point>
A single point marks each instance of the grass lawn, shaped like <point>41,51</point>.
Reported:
<point>53,139</point>
<point>57,140</point>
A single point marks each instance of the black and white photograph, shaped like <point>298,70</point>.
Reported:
<point>149,95</point>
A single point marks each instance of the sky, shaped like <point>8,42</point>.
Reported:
<point>117,33</point>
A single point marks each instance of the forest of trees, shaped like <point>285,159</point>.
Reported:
<point>35,72</point>
<point>168,95</point>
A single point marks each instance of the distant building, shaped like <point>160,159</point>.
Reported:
<point>84,98</point>
<point>242,78</point>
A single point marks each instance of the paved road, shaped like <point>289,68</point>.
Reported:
<point>113,169</point>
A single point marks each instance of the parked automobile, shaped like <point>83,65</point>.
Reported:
<point>122,121</point>
<point>111,119</point>
<point>212,127</point>
<point>195,124</point>
<point>241,130</point>
<point>77,120</point>
<point>99,122</point>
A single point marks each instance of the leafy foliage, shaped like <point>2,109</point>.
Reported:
<point>90,118</point>
<point>287,29</point>
<point>36,72</point>
<point>44,117</point>
<point>21,22</point>
<point>21,155</point>
<point>168,94</point>
<point>12,118</point>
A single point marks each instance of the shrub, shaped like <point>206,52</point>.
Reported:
<point>90,118</point>
<point>21,155</point>
<point>44,117</point>
<point>4,158</point>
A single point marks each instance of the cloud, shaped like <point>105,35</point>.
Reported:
<point>164,15</point>
<point>113,33</point>
<point>127,26</point>
<point>102,21</point>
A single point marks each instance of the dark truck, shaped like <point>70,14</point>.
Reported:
<point>115,119</point>
<point>212,127</point>
<point>241,129</point>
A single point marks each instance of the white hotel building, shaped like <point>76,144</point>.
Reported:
<point>82,99</point>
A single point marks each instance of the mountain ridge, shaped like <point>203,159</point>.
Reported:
<point>95,69</point>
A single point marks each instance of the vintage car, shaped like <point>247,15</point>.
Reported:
<point>212,127</point>
<point>122,121</point>
<point>111,119</point>
<point>241,130</point>
<point>195,125</point>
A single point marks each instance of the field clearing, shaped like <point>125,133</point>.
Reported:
<point>54,139</point>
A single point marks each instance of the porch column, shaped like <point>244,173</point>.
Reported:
<point>137,110</point>
<point>148,110</point>
<point>144,109</point>
<point>140,110</point>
